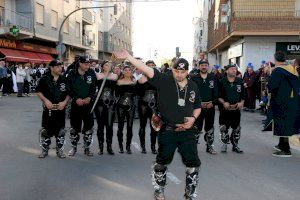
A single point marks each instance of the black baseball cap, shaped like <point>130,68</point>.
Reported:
<point>204,61</point>
<point>84,59</point>
<point>229,66</point>
<point>181,64</point>
<point>150,62</point>
<point>55,62</point>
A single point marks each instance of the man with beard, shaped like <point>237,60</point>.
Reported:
<point>231,96</point>
<point>52,89</point>
<point>179,105</point>
<point>208,90</point>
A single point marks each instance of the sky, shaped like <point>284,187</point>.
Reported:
<point>163,26</point>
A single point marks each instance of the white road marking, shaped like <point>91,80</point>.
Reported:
<point>136,145</point>
<point>173,178</point>
<point>295,148</point>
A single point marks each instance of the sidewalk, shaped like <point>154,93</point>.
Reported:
<point>294,140</point>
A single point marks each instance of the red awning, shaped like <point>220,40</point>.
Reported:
<point>45,57</point>
<point>33,57</point>
<point>13,55</point>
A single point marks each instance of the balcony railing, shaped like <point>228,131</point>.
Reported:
<point>266,13</point>
<point>87,16</point>
<point>87,41</point>
<point>255,22</point>
<point>13,18</point>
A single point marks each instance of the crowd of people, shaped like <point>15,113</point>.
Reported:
<point>179,106</point>
<point>20,78</point>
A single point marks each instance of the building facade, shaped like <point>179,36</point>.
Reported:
<point>83,33</point>
<point>200,28</point>
<point>243,31</point>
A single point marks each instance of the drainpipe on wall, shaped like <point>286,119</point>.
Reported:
<point>33,17</point>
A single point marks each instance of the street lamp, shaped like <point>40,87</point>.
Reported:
<point>60,46</point>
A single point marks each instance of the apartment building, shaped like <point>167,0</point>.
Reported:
<point>115,31</point>
<point>86,32</point>
<point>243,31</point>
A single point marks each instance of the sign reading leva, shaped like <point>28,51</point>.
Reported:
<point>26,46</point>
<point>290,48</point>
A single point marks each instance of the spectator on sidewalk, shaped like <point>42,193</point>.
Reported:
<point>249,84</point>
<point>3,74</point>
<point>20,76</point>
<point>284,87</point>
<point>27,79</point>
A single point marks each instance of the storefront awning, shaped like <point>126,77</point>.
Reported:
<point>32,57</point>
<point>13,55</point>
<point>45,57</point>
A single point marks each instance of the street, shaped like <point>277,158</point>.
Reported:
<point>256,174</point>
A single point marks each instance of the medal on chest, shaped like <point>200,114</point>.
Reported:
<point>181,102</point>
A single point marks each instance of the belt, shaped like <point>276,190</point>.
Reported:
<point>169,127</point>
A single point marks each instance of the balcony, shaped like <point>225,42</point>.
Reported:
<point>87,17</point>
<point>87,41</point>
<point>253,23</point>
<point>9,18</point>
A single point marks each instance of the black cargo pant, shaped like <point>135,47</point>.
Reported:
<point>207,115</point>
<point>53,124</point>
<point>169,141</point>
<point>231,119</point>
<point>79,114</point>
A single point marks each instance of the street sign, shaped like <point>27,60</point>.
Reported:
<point>61,48</point>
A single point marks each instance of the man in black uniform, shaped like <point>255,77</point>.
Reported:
<point>179,105</point>
<point>82,82</point>
<point>208,89</point>
<point>52,89</point>
<point>231,97</point>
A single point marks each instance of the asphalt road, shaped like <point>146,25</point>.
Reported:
<point>256,174</point>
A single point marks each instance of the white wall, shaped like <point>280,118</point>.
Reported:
<point>257,49</point>
<point>297,5</point>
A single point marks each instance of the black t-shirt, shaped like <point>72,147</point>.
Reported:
<point>168,98</point>
<point>54,91</point>
<point>208,88</point>
<point>232,92</point>
<point>82,86</point>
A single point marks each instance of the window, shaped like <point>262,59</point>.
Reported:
<point>110,38</point>
<point>101,14</point>
<point>39,10</point>
<point>101,35</point>
<point>77,29</point>
<point>78,3</point>
<point>66,26</point>
<point>94,38</point>
<point>111,18</point>
<point>54,17</point>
